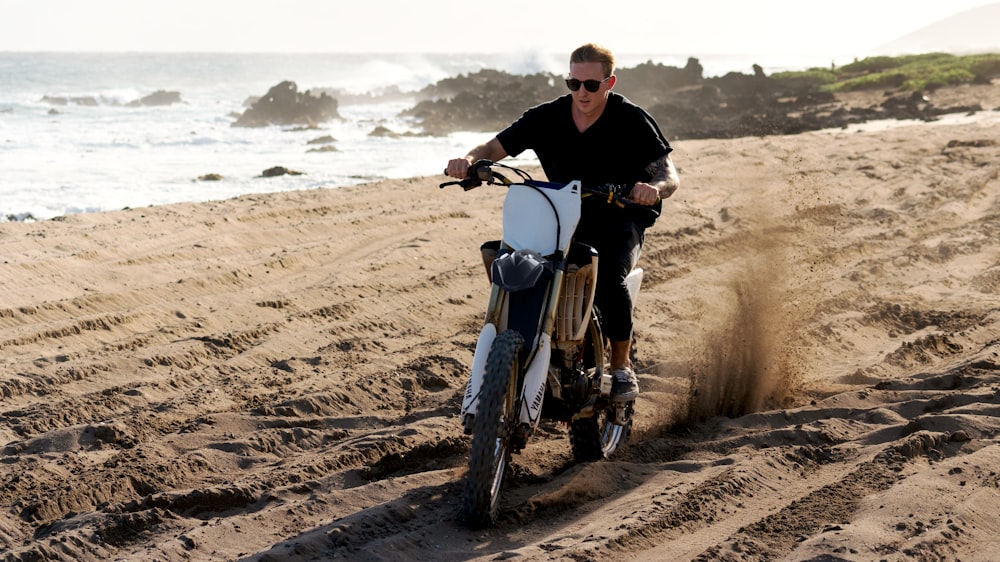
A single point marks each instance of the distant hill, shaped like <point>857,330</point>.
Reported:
<point>973,31</point>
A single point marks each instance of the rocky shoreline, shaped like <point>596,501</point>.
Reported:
<point>685,103</point>
<point>688,105</point>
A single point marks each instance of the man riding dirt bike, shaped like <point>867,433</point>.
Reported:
<point>597,137</point>
<point>586,141</point>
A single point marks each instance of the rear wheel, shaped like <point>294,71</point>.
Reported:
<point>496,419</point>
<point>599,436</point>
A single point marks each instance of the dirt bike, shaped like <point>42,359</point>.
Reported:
<point>541,352</point>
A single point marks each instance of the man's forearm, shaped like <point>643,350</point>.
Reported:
<point>665,178</point>
<point>491,150</point>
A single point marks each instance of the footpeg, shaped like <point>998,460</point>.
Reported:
<point>606,381</point>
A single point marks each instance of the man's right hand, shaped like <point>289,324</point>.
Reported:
<point>458,168</point>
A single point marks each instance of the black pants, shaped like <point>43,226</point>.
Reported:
<point>618,247</point>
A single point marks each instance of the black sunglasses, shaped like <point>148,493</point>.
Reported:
<point>592,85</point>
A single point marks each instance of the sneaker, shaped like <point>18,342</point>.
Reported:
<point>624,386</point>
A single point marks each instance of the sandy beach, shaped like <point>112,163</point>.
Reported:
<point>278,377</point>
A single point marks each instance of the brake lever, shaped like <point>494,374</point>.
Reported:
<point>466,184</point>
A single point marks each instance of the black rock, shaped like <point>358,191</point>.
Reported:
<point>159,97</point>
<point>278,171</point>
<point>285,105</point>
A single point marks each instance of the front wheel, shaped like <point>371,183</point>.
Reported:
<point>496,419</point>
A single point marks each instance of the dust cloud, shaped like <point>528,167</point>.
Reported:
<point>745,364</point>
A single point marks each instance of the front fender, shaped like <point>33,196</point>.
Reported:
<point>470,403</point>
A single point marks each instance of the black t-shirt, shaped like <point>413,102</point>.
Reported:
<point>617,148</point>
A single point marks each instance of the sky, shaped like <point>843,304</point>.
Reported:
<point>691,27</point>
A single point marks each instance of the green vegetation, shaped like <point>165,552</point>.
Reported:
<point>910,72</point>
<point>814,79</point>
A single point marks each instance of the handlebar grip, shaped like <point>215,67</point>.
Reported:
<point>479,172</point>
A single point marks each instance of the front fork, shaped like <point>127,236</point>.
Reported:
<point>535,375</point>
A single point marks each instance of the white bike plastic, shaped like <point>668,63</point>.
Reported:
<point>528,222</point>
<point>534,383</point>
<point>471,401</point>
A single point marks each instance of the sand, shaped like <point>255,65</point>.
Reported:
<point>278,377</point>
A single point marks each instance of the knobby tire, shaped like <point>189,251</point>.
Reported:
<point>496,418</point>
<point>597,437</point>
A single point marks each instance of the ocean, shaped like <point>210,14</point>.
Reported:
<point>100,153</point>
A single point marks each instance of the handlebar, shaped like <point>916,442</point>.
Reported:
<point>483,171</point>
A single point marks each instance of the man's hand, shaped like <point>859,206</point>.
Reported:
<point>458,168</point>
<point>644,194</point>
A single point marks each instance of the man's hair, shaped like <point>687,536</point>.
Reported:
<point>594,53</point>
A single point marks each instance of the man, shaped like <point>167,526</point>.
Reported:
<point>596,136</point>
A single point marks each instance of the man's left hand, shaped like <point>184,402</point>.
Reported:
<point>644,194</point>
